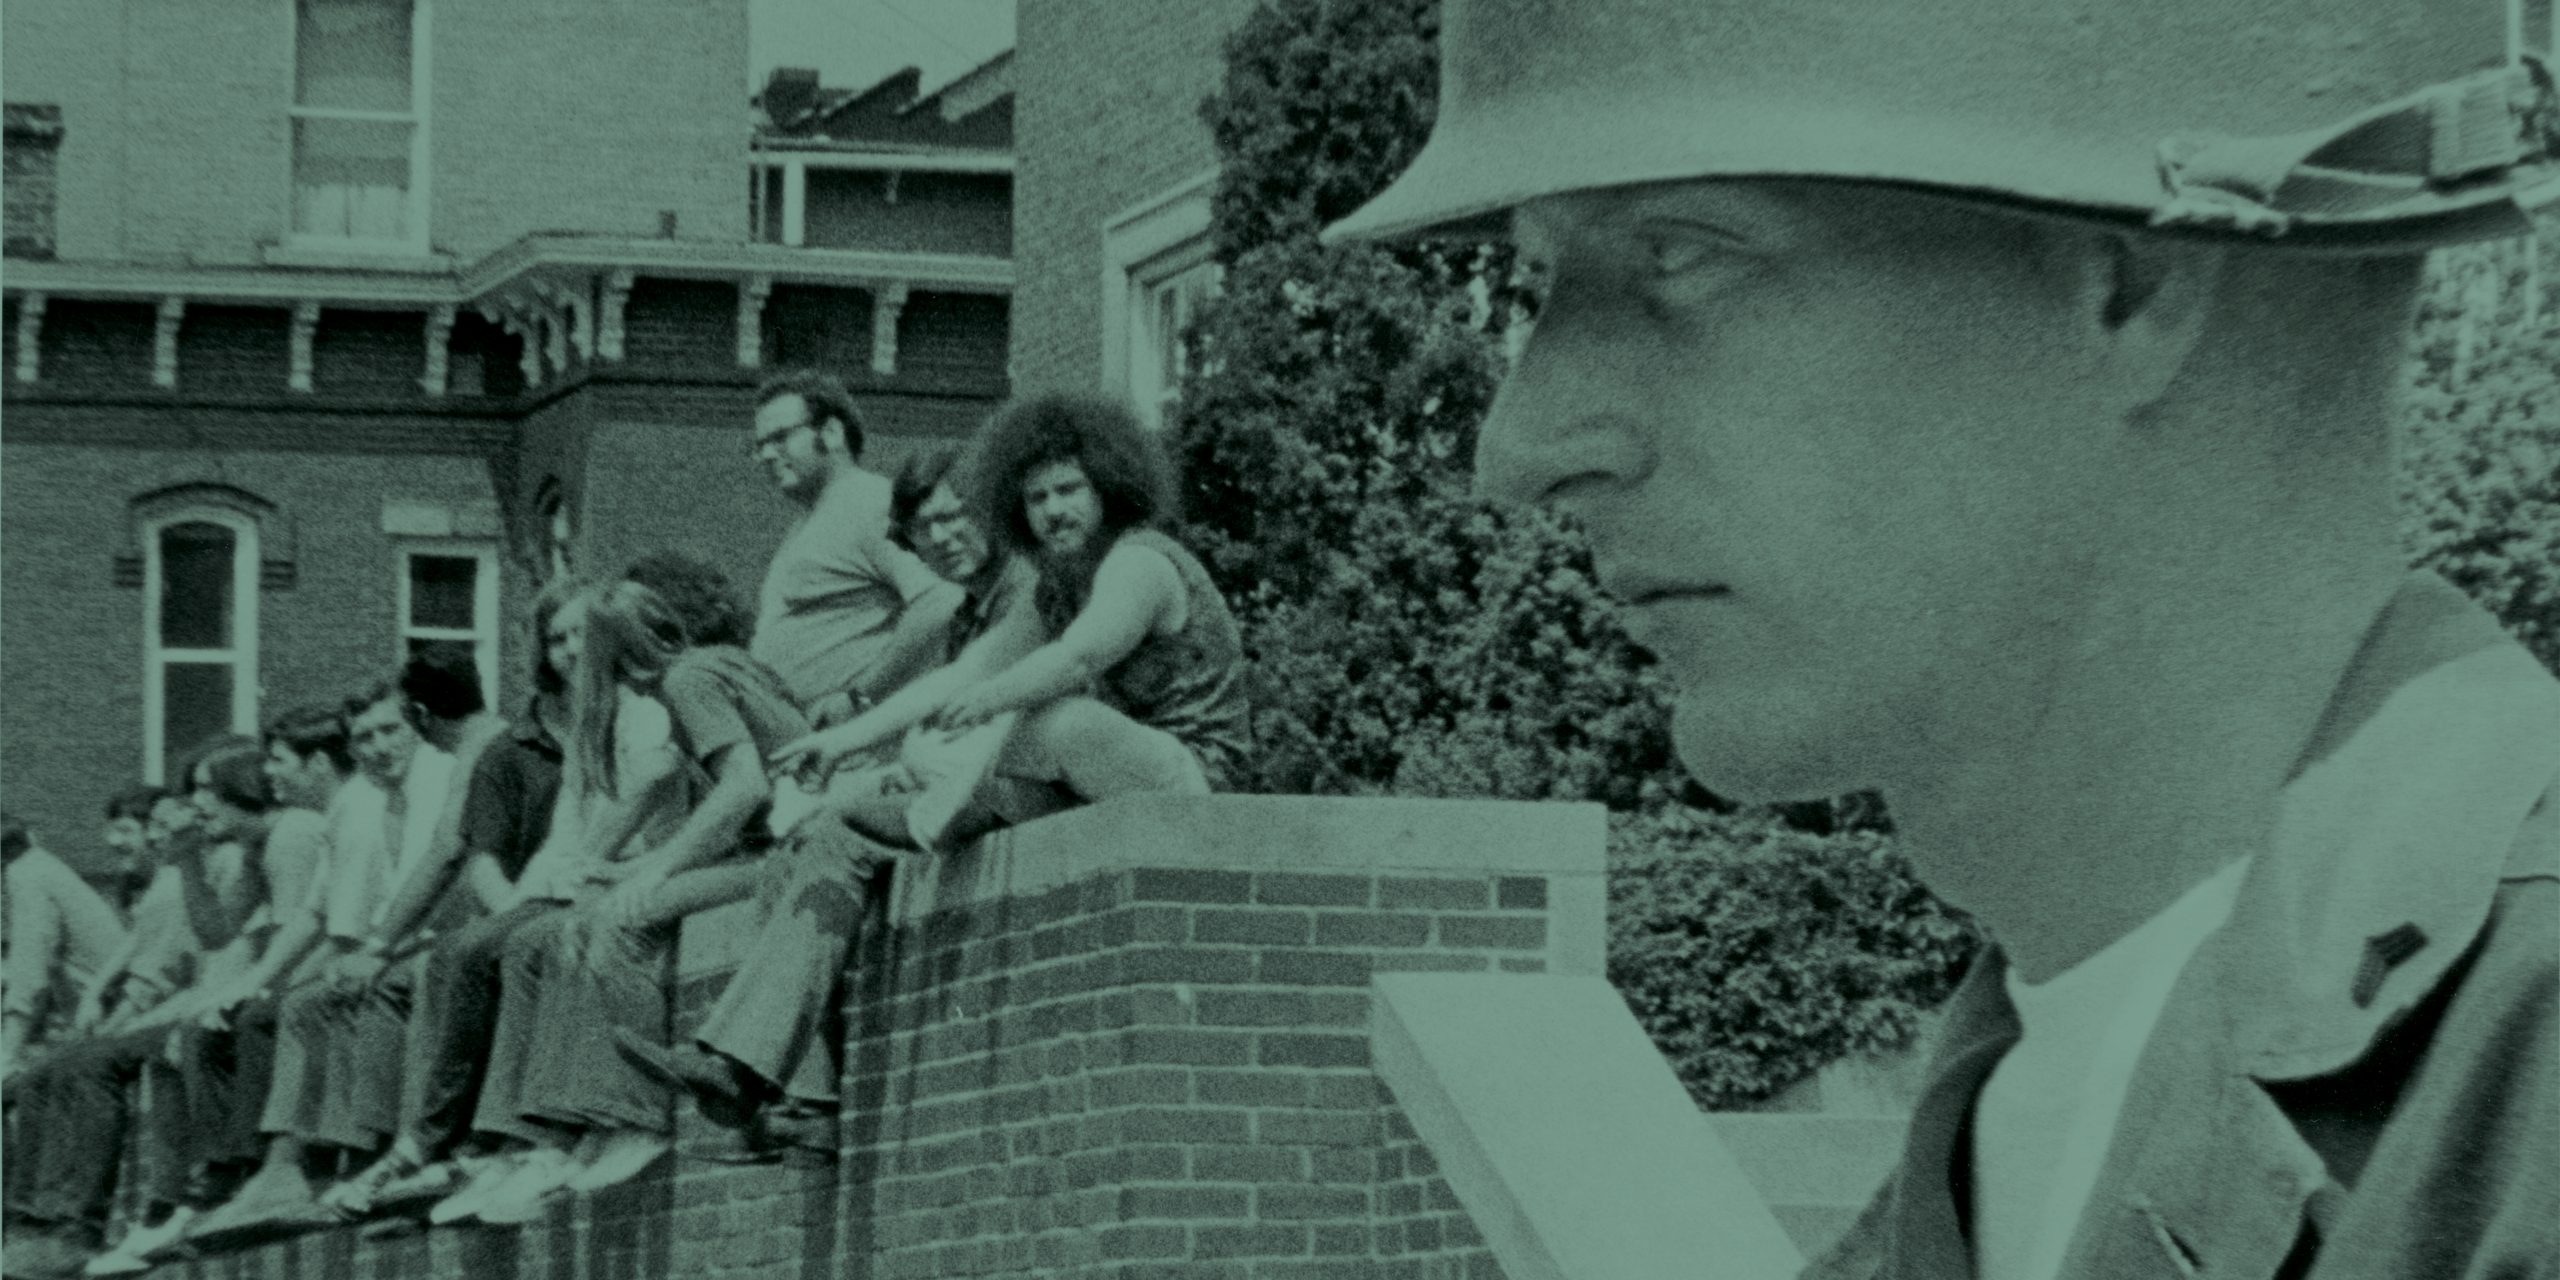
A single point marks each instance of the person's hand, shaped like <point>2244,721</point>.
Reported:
<point>811,757</point>
<point>968,709</point>
<point>623,908</point>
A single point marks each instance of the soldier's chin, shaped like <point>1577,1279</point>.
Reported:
<point>1760,747</point>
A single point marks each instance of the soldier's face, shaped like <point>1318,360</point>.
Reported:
<point>1826,445</point>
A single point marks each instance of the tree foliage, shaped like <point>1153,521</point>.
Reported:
<point>2480,432</point>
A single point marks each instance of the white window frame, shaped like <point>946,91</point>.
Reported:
<point>421,63</point>
<point>483,636</point>
<point>241,655</point>
<point>1145,250</point>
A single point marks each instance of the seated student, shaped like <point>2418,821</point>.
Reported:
<point>85,1092</point>
<point>1133,679</point>
<point>359,1010</point>
<point>501,1011</point>
<point>60,931</point>
<point>379,824</point>
<point>62,934</point>
<point>128,819</point>
<point>505,812</point>
<point>771,1036</point>
<point>143,971</point>
<point>601,965</point>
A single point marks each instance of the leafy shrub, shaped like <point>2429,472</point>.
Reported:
<point>2480,433</point>
<point>1754,953</point>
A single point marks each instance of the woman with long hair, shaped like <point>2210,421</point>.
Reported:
<point>1128,671</point>
<point>651,708</point>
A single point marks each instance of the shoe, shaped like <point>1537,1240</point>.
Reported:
<point>134,1252</point>
<point>618,1158</point>
<point>538,1179</point>
<point>483,1181</point>
<point>258,1213</point>
<point>266,1202</point>
<point>356,1196</point>
<point>419,1188</point>
<point>804,1134</point>
<point>721,1091</point>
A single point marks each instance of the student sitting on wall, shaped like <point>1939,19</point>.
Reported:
<point>1130,674</point>
<point>604,962</point>
<point>771,1038</point>
<point>506,811</point>
<point>508,1161</point>
<point>208,912</point>
<point>380,823</point>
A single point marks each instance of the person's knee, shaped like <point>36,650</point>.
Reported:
<point>1103,753</point>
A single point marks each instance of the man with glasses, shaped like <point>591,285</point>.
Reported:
<point>846,614</point>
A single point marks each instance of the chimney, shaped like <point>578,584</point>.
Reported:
<point>788,94</point>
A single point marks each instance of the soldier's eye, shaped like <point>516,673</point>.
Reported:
<point>1677,248</point>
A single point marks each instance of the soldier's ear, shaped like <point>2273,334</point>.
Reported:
<point>2146,301</point>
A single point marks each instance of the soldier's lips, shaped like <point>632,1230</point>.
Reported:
<point>1667,617</point>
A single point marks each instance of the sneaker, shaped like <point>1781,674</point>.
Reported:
<point>537,1180</point>
<point>357,1195</point>
<point>618,1158</point>
<point>420,1187</point>
<point>133,1253</point>
<point>483,1182</point>
<point>268,1203</point>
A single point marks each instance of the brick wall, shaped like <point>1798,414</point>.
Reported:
<point>543,117</point>
<point>589,117</point>
<point>1106,116</point>
<point>932,212</point>
<point>34,135</point>
<point>1130,1041</point>
<point>71,636</point>
<point>63,52</point>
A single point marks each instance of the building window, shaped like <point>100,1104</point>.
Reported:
<point>449,601</point>
<point>359,123</point>
<point>1157,278</point>
<point>200,634</point>
<point>1168,300</point>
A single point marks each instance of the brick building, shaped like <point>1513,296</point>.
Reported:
<point>334,326</point>
<point>1111,230</point>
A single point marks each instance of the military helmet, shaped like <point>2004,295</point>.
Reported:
<point>2357,126</point>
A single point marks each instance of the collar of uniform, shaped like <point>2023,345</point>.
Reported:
<point>2392,836</point>
<point>2386,854</point>
<point>2441,738</point>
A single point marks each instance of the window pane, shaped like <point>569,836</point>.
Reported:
<point>447,649</point>
<point>441,591</point>
<point>352,55</point>
<point>195,586</point>
<point>195,705</point>
<point>351,179</point>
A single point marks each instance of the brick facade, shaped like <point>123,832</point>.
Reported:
<point>576,331</point>
<point>34,136</point>
<point>1128,1041</point>
<point>1107,118</point>
<point>178,146</point>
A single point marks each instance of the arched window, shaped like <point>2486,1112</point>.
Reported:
<point>199,633</point>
